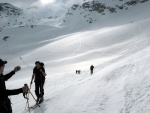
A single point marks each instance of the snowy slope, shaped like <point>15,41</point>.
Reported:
<point>120,82</point>
<point>118,48</point>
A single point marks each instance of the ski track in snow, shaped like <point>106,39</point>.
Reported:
<point>86,93</point>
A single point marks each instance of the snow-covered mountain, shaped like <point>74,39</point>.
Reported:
<point>8,9</point>
<point>93,11</point>
<point>111,35</point>
<point>87,12</point>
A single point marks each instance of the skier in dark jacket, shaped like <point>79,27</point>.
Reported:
<point>92,68</point>
<point>39,79</point>
<point>5,104</point>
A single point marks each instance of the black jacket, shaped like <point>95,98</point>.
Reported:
<point>38,75</point>
<point>4,93</point>
<point>92,67</point>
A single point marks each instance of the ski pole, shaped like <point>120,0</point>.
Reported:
<point>26,95</point>
<point>30,86</point>
<point>35,100</point>
<point>28,104</point>
<point>28,99</point>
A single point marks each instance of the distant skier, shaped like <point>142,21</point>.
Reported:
<point>5,103</point>
<point>76,71</point>
<point>92,68</point>
<point>39,79</point>
<point>79,71</point>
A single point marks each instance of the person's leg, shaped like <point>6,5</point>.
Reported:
<point>37,86</point>
<point>41,92</point>
<point>91,72</point>
<point>42,88</point>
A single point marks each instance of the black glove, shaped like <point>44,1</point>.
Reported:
<point>17,68</point>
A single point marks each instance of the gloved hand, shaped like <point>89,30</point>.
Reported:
<point>25,88</point>
<point>17,68</point>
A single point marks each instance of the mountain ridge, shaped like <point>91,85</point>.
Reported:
<point>86,10</point>
<point>101,8</point>
<point>9,9</point>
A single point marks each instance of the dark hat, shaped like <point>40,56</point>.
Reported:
<point>37,62</point>
<point>42,64</point>
<point>2,62</point>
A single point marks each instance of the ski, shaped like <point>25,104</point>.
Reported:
<point>35,106</point>
<point>31,108</point>
<point>40,101</point>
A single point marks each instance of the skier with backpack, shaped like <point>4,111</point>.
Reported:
<point>39,79</point>
<point>92,68</point>
<point>5,103</point>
